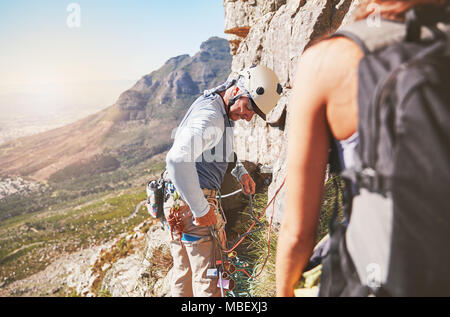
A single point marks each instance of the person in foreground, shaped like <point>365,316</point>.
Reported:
<point>325,105</point>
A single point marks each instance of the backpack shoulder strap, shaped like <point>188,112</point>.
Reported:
<point>373,37</point>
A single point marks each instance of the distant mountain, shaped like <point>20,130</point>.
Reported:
<point>135,128</point>
<point>180,79</point>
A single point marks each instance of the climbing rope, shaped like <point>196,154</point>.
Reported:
<point>256,220</point>
<point>231,253</point>
<point>229,195</point>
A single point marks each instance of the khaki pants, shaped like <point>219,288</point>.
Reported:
<point>191,260</point>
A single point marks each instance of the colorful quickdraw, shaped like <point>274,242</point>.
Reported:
<point>175,217</point>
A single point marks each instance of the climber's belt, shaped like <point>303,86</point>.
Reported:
<point>189,238</point>
<point>208,193</point>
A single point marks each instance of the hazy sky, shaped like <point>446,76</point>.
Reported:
<point>118,40</point>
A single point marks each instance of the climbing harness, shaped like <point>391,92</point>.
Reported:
<point>229,195</point>
<point>230,263</point>
<point>225,268</point>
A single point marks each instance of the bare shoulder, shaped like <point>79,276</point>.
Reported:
<point>326,84</point>
<point>328,67</point>
<point>331,59</point>
<point>338,47</point>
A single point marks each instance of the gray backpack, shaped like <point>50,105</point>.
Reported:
<point>397,195</point>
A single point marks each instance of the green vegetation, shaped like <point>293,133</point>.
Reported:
<point>160,262</point>
<point>70,215</point>
<point>121,249</point>
<point>84,203</point>
<point>74,294</point>
<point>332,196</point>
<point>104,293</point>
<point>29,244</point>
<point>253,251</point>
<point>85,187</point>
<point>256,247</point>
<point>97,165</point>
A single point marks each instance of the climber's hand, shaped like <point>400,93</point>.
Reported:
<point>248,185</point>
<point>207,220</point>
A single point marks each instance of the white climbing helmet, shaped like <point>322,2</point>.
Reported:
<point>263,88</point>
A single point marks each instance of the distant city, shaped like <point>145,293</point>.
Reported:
<point>14,126</point>
<point>34,109</point>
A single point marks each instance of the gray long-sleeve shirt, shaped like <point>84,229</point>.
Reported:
<point>202,150</point>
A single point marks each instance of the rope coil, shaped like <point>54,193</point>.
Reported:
<point>256,221</point>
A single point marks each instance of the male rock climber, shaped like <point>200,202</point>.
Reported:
<point>196,165</point>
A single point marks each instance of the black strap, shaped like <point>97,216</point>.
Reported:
<point>355,38</point>
<point>334,158</point>
<point>428,16</point>
<point>413,26</point>
<point>376,183</point>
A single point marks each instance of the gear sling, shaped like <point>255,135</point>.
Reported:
<point>398,191</point>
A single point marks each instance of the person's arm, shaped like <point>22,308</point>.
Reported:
<point>239,170</point>
<point>241,174</point>
<point>201,133</point>
<point>308,144</point>
<point>323,102</point>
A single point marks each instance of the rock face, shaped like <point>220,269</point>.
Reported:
<point>145,272</point>
<point>106,270</point>
<point>274,33</point>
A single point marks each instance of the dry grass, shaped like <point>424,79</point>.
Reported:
<point>255,249</point>
<point>161,262</point>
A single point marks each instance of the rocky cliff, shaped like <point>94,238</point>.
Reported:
<point>275,33</point>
